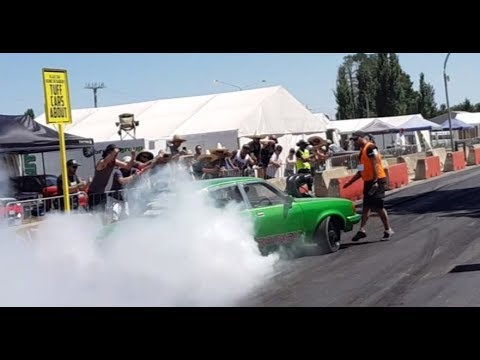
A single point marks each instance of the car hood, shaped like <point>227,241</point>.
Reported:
<point>320,200</point>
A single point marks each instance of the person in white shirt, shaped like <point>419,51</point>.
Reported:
<point>274,163</point>
<point>401,141</point>
<point>243,160</point>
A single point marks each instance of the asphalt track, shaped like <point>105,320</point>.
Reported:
<point>437,230</point>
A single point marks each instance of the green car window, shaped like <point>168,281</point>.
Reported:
<point>259,195</point>
<point>228,195</point>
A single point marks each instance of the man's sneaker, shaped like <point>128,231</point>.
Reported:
<point>387,235</point>
<point>359,235</point>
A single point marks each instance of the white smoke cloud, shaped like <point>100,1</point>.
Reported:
<point>192,255</point>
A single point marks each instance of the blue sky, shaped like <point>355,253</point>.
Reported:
<point>142,77</point>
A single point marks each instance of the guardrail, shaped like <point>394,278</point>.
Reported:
<point>18,212</point>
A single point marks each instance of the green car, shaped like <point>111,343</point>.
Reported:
<point>283,220</point>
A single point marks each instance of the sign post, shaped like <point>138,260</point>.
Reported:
<point>58,111</point>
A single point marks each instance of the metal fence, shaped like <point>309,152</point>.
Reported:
<point>18,212</point>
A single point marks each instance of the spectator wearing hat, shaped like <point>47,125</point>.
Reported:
<point>210,166</point>
<point>97,198</point>
<point>75,185</point>
<point>121,178</point>
<point>255,147</point>
<point>267,150</point>
<point>242,159</point>
<point>174,148</point>
<point>304,159</point>
<point>371,171</point>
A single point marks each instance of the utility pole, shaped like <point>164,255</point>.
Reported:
<point>446,79</point>
<point>94,87</point>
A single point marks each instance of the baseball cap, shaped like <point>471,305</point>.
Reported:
<point>73,162</point>
<point>108,149</point>
<point>358,134</point>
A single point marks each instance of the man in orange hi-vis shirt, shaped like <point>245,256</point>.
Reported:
<point>371,170</point>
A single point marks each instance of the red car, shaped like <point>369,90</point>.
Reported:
<point>46,185</point>
<point>11,211</point>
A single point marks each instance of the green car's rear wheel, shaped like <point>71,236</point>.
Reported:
<point>328,235</point>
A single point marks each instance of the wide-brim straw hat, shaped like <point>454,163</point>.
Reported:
<point>178,138</point>
<point>150,155</point>
<point>316,139</point>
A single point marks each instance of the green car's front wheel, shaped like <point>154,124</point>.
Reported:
<point>328,235</point>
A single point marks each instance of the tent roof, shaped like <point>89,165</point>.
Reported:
<point>417,123</point>
<point>472,118</point>
<point>22,134</point>
<point>378,126</point>
<point>348,126</point>
<point>413,122</point>
<point>271,110</point>
<point>456,125</point>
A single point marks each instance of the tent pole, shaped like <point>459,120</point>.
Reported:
<point>43,164</point>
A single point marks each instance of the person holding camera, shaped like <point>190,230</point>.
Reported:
<point>370,169</point>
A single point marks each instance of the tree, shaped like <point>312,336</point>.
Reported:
<point>383,94</point>
<point>395,95</point>
<point>30,113</point>
<point>367,86</point>
<point>442,109</point>
<point>426,99</point>
<point>374,85</point>
<point>343,96</point>
<point>411,97</point>
<point>466,105</point>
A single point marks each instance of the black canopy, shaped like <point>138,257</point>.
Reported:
<point>22,134</point>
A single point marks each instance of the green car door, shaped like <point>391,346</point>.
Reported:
<point>277,218</point>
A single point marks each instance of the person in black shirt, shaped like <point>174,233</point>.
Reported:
<point>255,147</point>
<point>75,185</point>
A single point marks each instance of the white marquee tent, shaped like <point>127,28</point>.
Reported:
<point>270,110</point>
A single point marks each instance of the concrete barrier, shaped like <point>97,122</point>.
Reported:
<point>454,161</point>
<point>441,153</point>
<point>473,155</point>
<point>354,192</point>
<point>427,168</point>
<point>322,180</point>
<point>391,161</point>
<point>397,176</point>
<point>411,161</point>
<point>281,183</point>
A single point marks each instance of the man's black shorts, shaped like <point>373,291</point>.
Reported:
<point>374,201</point>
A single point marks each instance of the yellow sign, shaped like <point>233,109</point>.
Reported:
<point>57,97</point>
<point>58,111</point>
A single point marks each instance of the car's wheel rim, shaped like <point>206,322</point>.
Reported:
<point>332,235</point>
